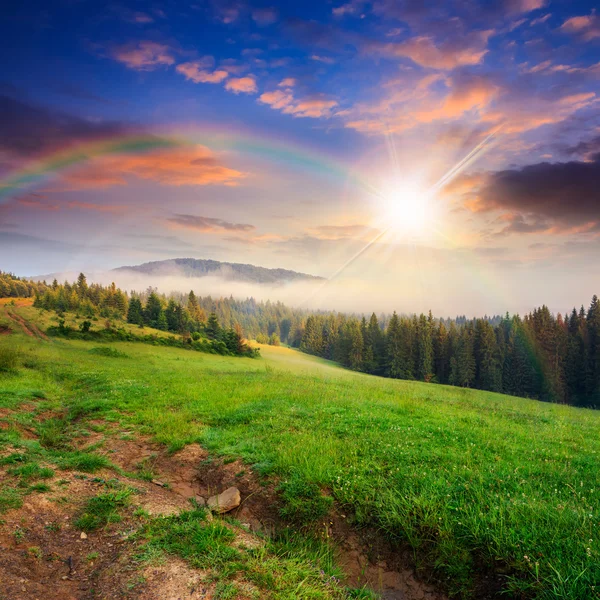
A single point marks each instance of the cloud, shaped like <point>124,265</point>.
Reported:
<point>207,224</point>
<point>288,82</point>
<point>339,232</point>
<point>322,59</point>
<point>36,201</point>
<point>197,71</point>
<point>264,16</point>
<point>587,26</point>
<point>446,55</point>
<point>317,106</point>
<point>556,197</point>
<point>102,208</point>
<point>242,85</point>
<point>587,149</point>
<point>188,165</point>
<point>228,11</point>
<point>350,8</point>
<point>517,223</point>
<point>143,55</point>
<point>467,92</point>
<point>522,6</point>
<point>27,130</point>
<point>520,111</point>
<point>540,20</point>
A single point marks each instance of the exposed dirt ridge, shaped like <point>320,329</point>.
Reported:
<point>44,555</point>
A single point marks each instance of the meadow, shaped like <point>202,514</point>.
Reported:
<point>473,482</point>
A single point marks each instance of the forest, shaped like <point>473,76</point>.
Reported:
<point>553,358</point>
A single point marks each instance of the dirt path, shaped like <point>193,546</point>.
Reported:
<point>29,328</point>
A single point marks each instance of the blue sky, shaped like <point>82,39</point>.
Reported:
<point>300,132</point>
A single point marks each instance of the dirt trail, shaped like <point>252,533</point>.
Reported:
<point>44,556</point>
<point>29,328</point>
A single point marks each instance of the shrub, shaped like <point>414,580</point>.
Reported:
<point>9,358</point>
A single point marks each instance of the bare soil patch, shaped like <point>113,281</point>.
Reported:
<point>44,556</point>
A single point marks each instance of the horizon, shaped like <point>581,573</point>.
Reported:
<point>439,158</point>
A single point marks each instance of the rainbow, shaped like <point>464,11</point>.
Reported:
<point>44,168</point>
<point>275,151</point>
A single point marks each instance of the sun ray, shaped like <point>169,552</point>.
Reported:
<point>451,174</point>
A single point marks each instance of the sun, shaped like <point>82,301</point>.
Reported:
<point>405,205</point>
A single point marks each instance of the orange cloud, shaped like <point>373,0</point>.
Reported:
<point>195,165</point>
<point>144,55</point>
<point>197,71</point>
<point>473,93</point>
<point>424,52</point>
<point>242,85</point>
<point>36,201</point>
<point>287,82</point>
<point>523,117</point>
<point>105,208</point>
<point>277,99</point>
<point>283,100</point>
<point>208,224</point>
<point>588,26</point>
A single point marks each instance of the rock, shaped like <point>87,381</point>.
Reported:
<point>225,501</point>
<point>159,483</point>
<point>200,501</point>
<point>83,535</point>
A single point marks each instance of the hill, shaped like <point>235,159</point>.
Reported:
<point>490,493</point>
<point>193,267</point>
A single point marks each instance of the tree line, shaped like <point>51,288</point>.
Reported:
<point>551,358</point>
<point>538,356</point>
<point>151,309</point>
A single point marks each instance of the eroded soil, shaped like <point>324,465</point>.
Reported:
<point>44,555</point>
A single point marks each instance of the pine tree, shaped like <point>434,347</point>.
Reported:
<point>593,353</point>
<point>212,327</point>
<point>134,313</point>
<point>394,363</point>
<point>441,353</point>
<point>425,348</point>
<point>82,286</point>
<point>153,310</point>
<point>488,371</point>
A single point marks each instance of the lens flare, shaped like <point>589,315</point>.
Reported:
<point>405,205</point>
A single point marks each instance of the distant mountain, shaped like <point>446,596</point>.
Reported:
<point>192,267</point>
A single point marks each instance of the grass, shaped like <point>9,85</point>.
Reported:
<point>276,569</point>
<point>473,481</point>
<point>103,509</point>
<point>9,359</point>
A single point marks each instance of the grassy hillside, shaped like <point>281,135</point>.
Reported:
<point>473,481</point>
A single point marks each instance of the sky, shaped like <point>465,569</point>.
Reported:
<point>423,155</point>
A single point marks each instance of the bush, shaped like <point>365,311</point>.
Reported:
<point>109,352</point>
<point>9,358</point>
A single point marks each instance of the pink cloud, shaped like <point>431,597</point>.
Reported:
<point>242,85</point>
<point>197,71</point>
<point>287,82</point>
<point>588,26</point>
<point>423,51</point>
<point>144,55</point>
<point>284,100</point>
<point>188,165</point>
<point>264,16</point>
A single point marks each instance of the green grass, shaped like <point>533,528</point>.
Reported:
<point>103,509</point>
<point>278,569</point>
<point>471,480</point>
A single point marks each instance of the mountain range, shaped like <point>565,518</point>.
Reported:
<point>193,267</point>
